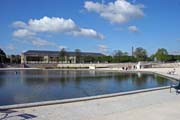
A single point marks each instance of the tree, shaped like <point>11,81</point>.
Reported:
<point>2,56</point>
<point>62,54</point>
<point>161,54</point>
<point>17,59</point>
<point>78,55</point>
<point>89,59</point>
<point>152,57</point>
<point>120,56</point>
<point>140,54</point>
<point>119,53</point>
<point>108,59</point>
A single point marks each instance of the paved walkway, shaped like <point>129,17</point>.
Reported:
<point>157,105</point>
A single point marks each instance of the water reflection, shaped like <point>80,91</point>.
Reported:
<point>161,80</point>
<point>2,79</point>
<point>42,85</point>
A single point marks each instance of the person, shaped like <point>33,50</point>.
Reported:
<point>122,68</point>
<point>174,71</point>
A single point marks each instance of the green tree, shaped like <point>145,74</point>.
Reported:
<point>104,59</point>
<point>2,56</point>
<point>118,53</point>
<point>108,59</point>
<point>62,54</point>
<point>16,59</point>
<point>152,57</point>
<point>140,54</point>
<point>161,54</point>
<point>78,55</point>
<point>120,56</point>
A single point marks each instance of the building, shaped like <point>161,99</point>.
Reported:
<point>38,56</point>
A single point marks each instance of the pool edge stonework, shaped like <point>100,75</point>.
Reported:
<point>53,102</point>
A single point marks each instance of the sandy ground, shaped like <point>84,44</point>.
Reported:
<point>155,105</point>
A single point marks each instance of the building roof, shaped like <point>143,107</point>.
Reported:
<point>56,53</point>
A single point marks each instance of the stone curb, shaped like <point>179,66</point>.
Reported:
<point>36,104</point>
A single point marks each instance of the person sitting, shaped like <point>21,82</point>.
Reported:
<point>172,72</point>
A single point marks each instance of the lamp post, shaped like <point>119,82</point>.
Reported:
<point>132,51</point>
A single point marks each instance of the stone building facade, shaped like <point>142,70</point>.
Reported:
<point>38,56</point>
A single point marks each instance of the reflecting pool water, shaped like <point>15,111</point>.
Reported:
<point>26,86</point>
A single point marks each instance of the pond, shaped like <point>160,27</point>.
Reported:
<point>27,86</point>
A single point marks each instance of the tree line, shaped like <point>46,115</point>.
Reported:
<point>15,59</point>
<point>140,54</point>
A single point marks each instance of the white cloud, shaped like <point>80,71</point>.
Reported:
<point>53,25</point>
<point>40,42</point>
<point>88,33</point>
<point>133,29</point>
<point>103,48</point>
<point>23,33</point>
<point>119,11</point>
<point>19,24</point>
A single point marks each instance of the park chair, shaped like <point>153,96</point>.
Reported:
<point>176,87</point>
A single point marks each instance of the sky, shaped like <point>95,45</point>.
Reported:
<point>89,25</point>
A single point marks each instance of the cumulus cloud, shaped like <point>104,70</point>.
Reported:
<point>88,33</point>
<point>23,33</point>
<point>19,24</point>
<point>133,29</point>
<point>53,25</point>
<point>102,48</point>
<point>41,42</point>
<point>120,11</point>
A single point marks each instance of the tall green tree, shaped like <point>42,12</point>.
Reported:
<point>118,53</point>
<point>78,55</point>
<point>161,54</point>
<point>140,54</point>
<point>62,54</point>
<point>2,56</point>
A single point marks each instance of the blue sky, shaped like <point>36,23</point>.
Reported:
<point>90,25</point>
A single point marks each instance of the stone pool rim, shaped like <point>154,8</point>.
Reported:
<point>54,102</point>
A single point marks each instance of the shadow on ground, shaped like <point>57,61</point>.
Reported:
<point>6,114</point>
